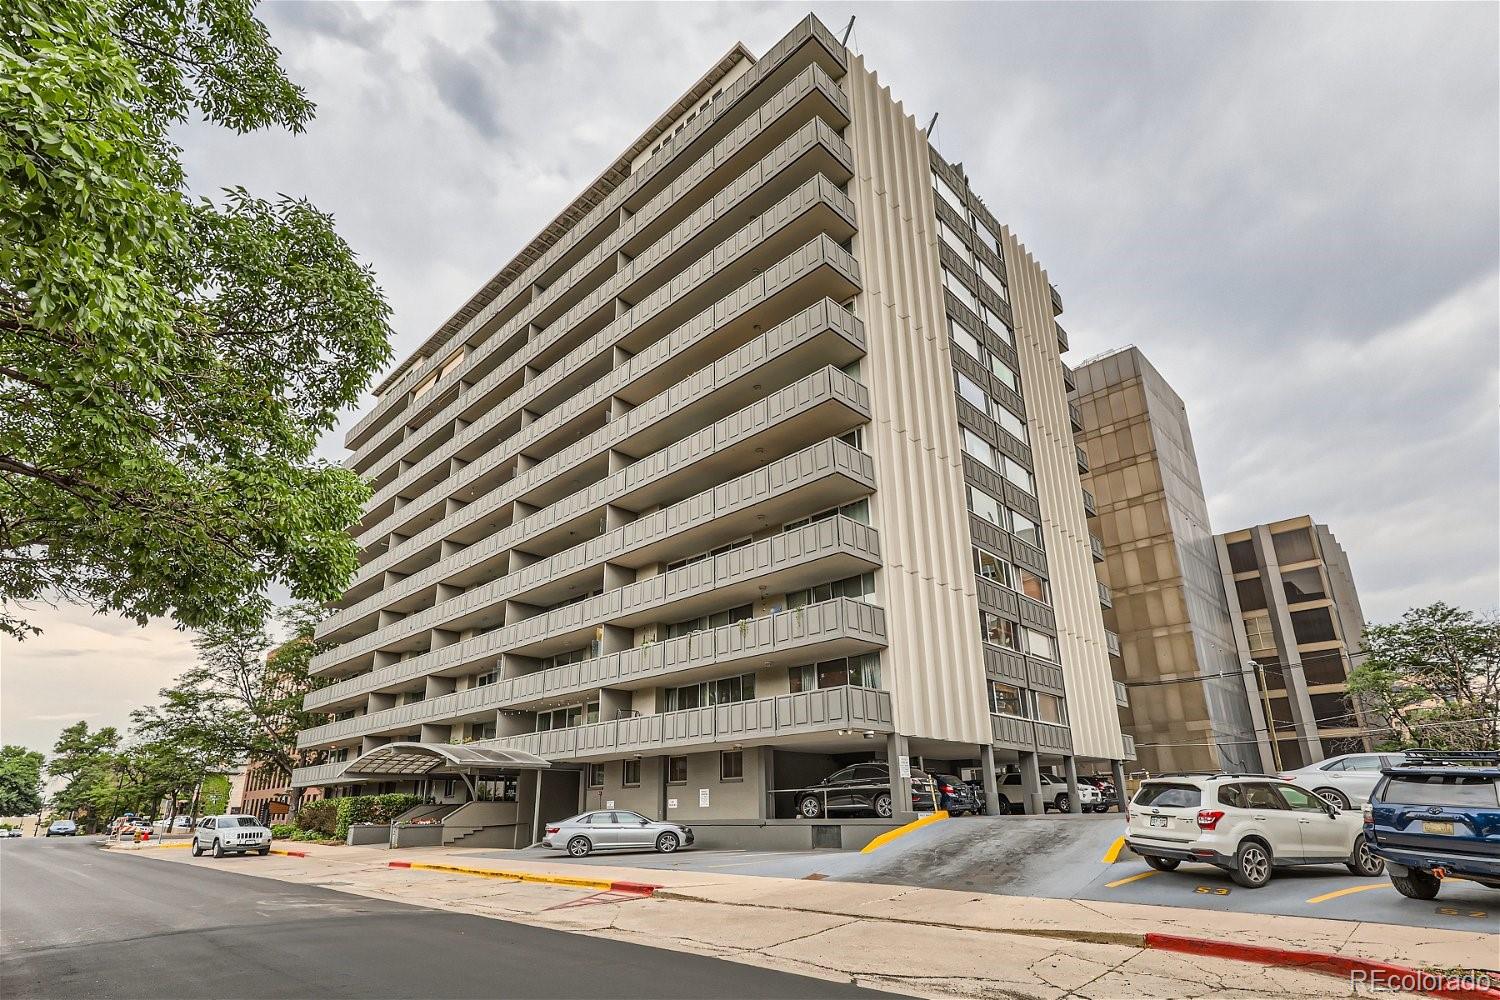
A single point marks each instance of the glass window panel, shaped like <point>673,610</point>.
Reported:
<point>1012,423</point>
<point>992,280</point>
<point>969,390</point>
<point>960,291</point>
<point>1040,644</point>
<point>953,198</point>
<point>1006,374</point>
<point>979,449</point>
<point>963,338</point>
<point>1006,700</point>
<point>1018,476</point>
<point>1050,708</point>
<point>987,507</point>
<point>1026,529</point>
<point>1303,585</point>
<point>1032,586</point>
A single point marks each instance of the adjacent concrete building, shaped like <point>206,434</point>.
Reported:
<point>755,463</point>
<point>1299,628</point>
<point>1185,702</point>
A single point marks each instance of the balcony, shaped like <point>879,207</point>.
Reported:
<point>1089,507</point>
<point>1097,548</point>
<point>1083,459</point>
<point>1105,597</point>
<point>1062,339</point>
<point>1127,746</point>
<point>304,777</point>
<point>1075,417</point>
<point>1112,642</point>
<point>1122,695</point>
<point>1069,382</point>
<point>840,627</point>
<point>831,712</point>
<point>1057,306</point>
<point>1058,739</point>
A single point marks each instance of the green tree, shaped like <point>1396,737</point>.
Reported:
<point>1433,678</point>
<point>20,781</point>
<point>166,363</point>
<point>83,760</point>
<point>191,734</point>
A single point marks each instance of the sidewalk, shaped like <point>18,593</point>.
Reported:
<point>932,942</point>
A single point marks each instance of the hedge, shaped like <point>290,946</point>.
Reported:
<point>371,809</point>
<point>283,831</point>
<point>317,817</point>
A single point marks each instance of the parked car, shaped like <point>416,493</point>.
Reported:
<point>614,829</point>
<point>14,831</point>
<point>62,828</point>
<point>863,788</point>
<point>1105,787</point>
<point>1437,815</point>
<point>1247,824</point>
<point>955,796</point>
<point>1346,780</point>
<point>231,834</point>
<point>1054,794</point>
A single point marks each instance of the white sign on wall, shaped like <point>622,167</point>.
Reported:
<point>610,804</point>
<point>671,803</point>
<point>903,762</point>
<point>703,798</point>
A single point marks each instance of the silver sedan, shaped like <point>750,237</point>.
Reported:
<point>612,830</point>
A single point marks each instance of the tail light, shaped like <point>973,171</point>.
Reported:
<point>1286,777</point>
<point>1208,819</point>
<point>554,829</point>
<point>1368,812</point>
<point>947,789</point>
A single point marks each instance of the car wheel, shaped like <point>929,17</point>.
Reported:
<point>1252,865</point>
<point>1161,864</point>
<point>666,843</point>
<point>218,848</point>
<point>1004,806</point>
<point>196,849</point>
<point>1334,797</point>
<point>1416,885</point>
<point>810,807</point>
<point>579,847</point>
<point>1063,803</point>
<point>263,851</point>
<point>883,806</point>
<point>1363,861</point>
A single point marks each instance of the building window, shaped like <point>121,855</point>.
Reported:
<point>485,680</point>
<point>991,567</point>
<point>720,692</point>
<point>732,765</point>
<point>1250,594</point>
<point>1313,625</point>
<point>856,588</point>
<point>1006,374</point>
<point>997,325</point>
<point>482,731</point>
<point>852,671</point>
<point>1242,556</point>
<point>1304,585</point>
<point>1258,634</point>
<point>1032,586</point>
<point>987,507</point>
<point>1040,644</point>
<point>703,623</point>
<point>632,776</point>
<point>676,770</point>
<point>955,242</point>
<point>1018,476</point>
<point>963,338</point>
<point>979,449</point>
<point>970,391</point>
<point>991,279</point>
<point>960,290</point>
<point>1007,700</point>
<point>738,543</point>
<point>953,198</point>
<point>859,511</point>
<point>855,438</point>
<point>1050,708</point>
<point>596,775</point>
<point>1013,424</point>
<point>998,631</point>
<point>566,718</point>
<point>1293,546</point>
<point>1026,529</point>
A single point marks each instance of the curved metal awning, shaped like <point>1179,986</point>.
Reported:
<point>425,758</point>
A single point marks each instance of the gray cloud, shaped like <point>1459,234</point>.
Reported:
<point>1292,209</point>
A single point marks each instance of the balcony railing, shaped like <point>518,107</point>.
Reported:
<point>1112,641</point>
<point>1069,382</point>
<point>1122,695</point>
<point>1083,459</point>
<point>1105,597</point>
<point>1127,746</point>
<point>1089,507</point>
<point>1057,306</point>
<point>1075,416</point>
<point>764,719</point>
<point>831,628</point>
<point>1096,547</point>
<point>303,777</point>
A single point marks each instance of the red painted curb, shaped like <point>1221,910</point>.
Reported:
<point>294,854</point>
<point>398,864</point>
<point>637,888</point>
<point>1414,980</point>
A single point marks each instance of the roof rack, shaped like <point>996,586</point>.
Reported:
<point>1429,758</point>
<point>1213,774</point>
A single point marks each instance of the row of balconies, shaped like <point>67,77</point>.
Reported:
<point>841,627</point>
<point>824,400</point>
<point>825,332</point>
<point>829,549</point>
<point>788,108</point>
<point>777,719</point>
<point>1015,733</point>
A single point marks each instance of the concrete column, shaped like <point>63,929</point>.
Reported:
<point>1070,768</point>
<point>1031,784</point>
<point>767,760</point>
<point>661,788</point>
<point>1118,767</point>
<point>895,748</point>
<point>991,786</point>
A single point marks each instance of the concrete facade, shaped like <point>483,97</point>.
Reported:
<point>755,463</point>
<point>1298,629</point>
<point>1184,700</point>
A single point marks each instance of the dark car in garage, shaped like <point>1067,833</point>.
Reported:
<point>863,788</point>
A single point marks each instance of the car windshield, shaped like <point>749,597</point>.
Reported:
<point>1169,796</point>
<point>241,821</point>
<point>1444,790</point>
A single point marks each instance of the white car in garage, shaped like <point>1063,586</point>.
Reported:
<point>1346,780</point>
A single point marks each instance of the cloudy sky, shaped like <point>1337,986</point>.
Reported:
<point>1291,209</point>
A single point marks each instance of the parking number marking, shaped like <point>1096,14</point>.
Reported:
<point>1450,911</point>
<point>1212,890</point>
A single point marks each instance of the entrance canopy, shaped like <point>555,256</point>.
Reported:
<point>420,760</point>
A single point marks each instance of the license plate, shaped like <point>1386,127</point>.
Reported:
<point>1444,827</point>
<point>1160,821</point>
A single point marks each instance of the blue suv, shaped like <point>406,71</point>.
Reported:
<point>1437,815</point>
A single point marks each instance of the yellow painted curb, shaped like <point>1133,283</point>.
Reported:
<point>901,831</point>
<point>603,885</point>
<point>1113,854</point>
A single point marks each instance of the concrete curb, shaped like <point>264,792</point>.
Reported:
<point>1400,976</point>
<point>901,831</point>
<point>569,881</point>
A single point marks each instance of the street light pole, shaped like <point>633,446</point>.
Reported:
<point>1265,697</point>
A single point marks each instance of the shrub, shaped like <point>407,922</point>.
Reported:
<point>283,831</point>
<point>371,809</point>
<point>320,817</point>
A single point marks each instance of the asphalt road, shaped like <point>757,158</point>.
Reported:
<point>76,921</point>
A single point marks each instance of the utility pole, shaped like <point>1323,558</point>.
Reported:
<point>1265,697</point>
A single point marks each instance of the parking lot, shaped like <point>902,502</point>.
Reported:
<point>1075,857</point>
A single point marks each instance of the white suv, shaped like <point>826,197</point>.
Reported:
<point>1054,794</point>
<point>231,834</point>
<point>1247,824</point>
<point>1347,779</point>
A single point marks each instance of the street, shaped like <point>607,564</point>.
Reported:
<point>77,921</point>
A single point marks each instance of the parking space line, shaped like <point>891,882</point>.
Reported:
<point>1130,878</point>
<point>1349,891</point>
<point>1113,854</point>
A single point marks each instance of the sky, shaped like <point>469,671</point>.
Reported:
<point>1291,209</point>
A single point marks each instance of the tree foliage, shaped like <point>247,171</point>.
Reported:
<point>166,363</point>
<point>83,760</point>
<point>1433,678</point>
<point>20,781</point>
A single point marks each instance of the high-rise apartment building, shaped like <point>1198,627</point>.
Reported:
<point>755,463</point>
<point>1186,703</point>
<point>1299,628</point>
